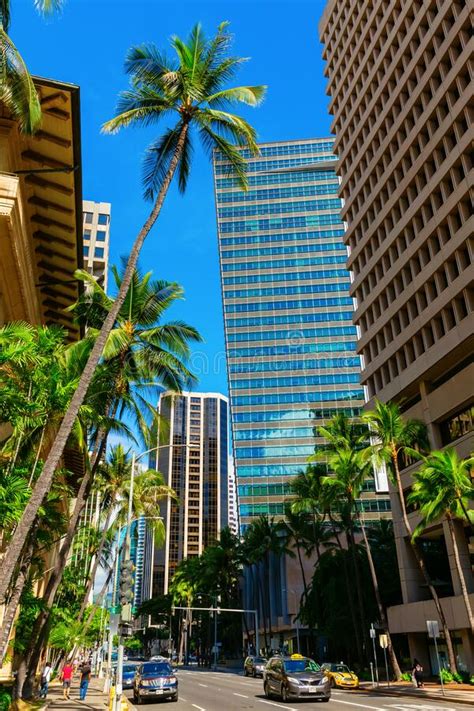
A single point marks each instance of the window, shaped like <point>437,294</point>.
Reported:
<point>99,252</point>
<point>457,425</point>
<point>88,217</point>
<point>103,219</point>
<point>87,234</point>
<point>100,236</point>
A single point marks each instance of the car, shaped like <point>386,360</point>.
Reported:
<point>128,675</point>
<point>340,675</point>
<point>155,680</point>
<point>295,677</point>
<point>254,666</point>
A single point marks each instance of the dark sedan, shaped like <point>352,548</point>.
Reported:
<point>155,680</point>
<point>254,666</point>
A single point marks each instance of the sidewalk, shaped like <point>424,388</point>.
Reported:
<point>429,691</point>
<point>95,698</point>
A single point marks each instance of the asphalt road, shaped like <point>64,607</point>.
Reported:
<point>223,691</point>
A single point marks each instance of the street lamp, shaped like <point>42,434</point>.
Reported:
<point>296,618</point>
<point>126,610</point>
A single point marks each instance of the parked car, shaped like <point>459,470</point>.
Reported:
<point>128,675</point>
<point>254,666</point>
<point>295,677</point>
<point>153,680</point>
<point>340,675</point>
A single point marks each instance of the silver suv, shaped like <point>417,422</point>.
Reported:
<point>295,677</point>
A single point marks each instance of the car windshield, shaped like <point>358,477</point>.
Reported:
<point>259,660</point>
<point>300,665</point>
<point>156,669</point>
<point>128,669</point>
<point>341,668</point>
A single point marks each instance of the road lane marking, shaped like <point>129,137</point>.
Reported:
<point>203,685</point>
<point>362,706</point>
<point>199,708</point>
<point>241,695</point>
<point>271,703</point>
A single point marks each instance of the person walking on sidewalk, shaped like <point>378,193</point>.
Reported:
<point>68,671</point>
<point>85,678</point>
<point>45,679</point>
<point>417,673</point>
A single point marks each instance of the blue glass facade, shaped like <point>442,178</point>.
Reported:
<point>291,344</point>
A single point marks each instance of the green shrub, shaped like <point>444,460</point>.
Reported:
<point>5,700</point>
<point>471,680</point>
<point>446,676</point>
<point>406,676</point>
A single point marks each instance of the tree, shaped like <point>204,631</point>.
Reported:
<point>17,89</point>
<point>393,436</point>
<point>442,488</point>
<point>349,469</point>
<point>192,88</point>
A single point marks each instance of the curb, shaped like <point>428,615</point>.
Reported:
<point>423,695</point>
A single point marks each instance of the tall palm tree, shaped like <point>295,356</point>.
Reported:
<point>191,88</point>
<point>442,488</point>
<point>17,89</point>
<point>349,470</point>
<point>393,437</point>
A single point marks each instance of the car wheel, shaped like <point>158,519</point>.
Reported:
<point>175,698</point>
<point>325,699</point>
<point>254,674</point>
<point>284,694</point>
<point>246,672</point>
<point>266,690</point>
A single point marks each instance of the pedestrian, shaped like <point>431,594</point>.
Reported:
<point>66,676</point>
<point>45,679</point>
<point>417,674</point>
<point>85,678</point>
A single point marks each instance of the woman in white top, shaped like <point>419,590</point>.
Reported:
<point>45,679</point>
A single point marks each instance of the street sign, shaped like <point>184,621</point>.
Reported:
<point>383,641</point>
<point>114,621</point>
<point>373,633</point>
<point>115,609</point>
<point>433,628</point>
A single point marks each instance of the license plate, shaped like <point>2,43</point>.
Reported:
<point>160,691</point>
<point>312,689</point>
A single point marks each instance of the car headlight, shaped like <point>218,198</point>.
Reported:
<point>324,680</point>
<point>293,680</point>
<point>172,680</point>
<point>144,682</point>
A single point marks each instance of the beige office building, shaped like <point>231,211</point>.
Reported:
<point>400,81</point>
<point>96,231</point>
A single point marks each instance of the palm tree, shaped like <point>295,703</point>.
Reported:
<point>442,488</point>
<point>394,437</point>
<point>192,88</point>
<point>17,89</point>
<point>349,470</point>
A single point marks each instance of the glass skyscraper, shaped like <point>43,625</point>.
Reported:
<point>290,340</point>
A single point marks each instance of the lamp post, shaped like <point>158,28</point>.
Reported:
<point>126,610</point>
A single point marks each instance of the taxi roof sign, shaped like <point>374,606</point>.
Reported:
<point>296,656</point>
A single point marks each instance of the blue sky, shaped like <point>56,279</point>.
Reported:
<point>86,45</point>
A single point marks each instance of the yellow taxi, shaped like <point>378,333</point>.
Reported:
<point>340,675</point>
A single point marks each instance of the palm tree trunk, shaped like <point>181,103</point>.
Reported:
<point>263,616</point>
<point>360,597</point>
<point>462,579</point>
<point>349,594</point>
<point>12,605</point>
<point>99,600</point>
<point>422,566</point>
<point>45,479</point>
<point>98,554</point>
<point>383,616</point>
<point>40,628</point>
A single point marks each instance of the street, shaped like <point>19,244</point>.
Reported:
<point>224,691</point>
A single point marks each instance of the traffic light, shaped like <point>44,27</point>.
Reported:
<point>127,582</point>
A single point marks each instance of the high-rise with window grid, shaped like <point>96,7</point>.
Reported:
<point>96,232</point>
<point>291,343</point>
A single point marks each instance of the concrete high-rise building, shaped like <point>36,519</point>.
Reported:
<point>400,81</point>
<point>96,231</point>
<point>193,458</point>
<point>291,343</point>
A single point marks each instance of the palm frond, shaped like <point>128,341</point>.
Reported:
<point>17,89</point>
